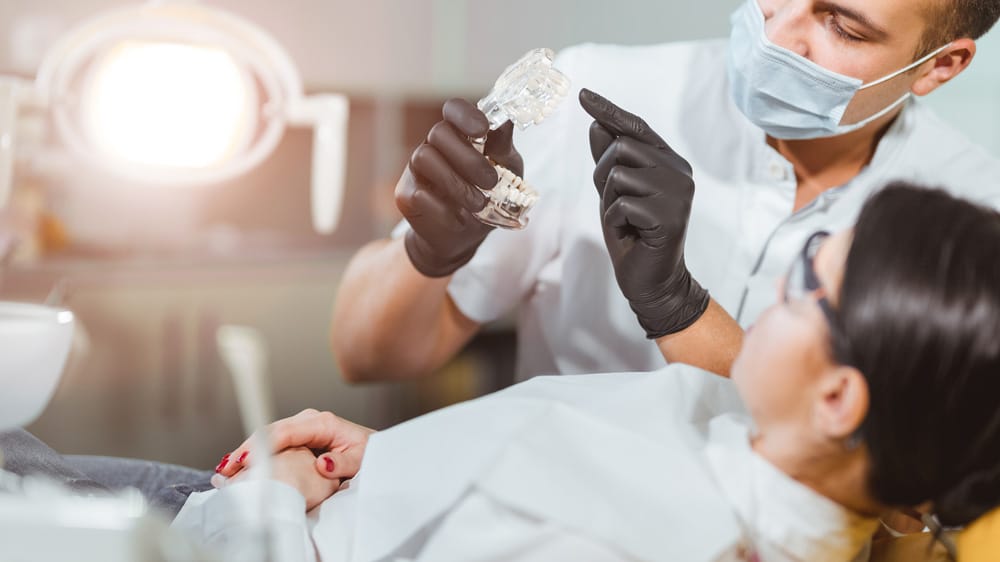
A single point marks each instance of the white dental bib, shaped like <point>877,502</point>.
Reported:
<point>596,467</point>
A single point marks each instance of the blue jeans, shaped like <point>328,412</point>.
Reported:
<point>165,486</point>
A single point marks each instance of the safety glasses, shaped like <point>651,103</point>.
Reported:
<point>802,281</point>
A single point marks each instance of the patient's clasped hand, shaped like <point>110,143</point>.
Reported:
<point>872,384</point>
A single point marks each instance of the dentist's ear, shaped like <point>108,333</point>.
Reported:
<point>842,402</point>
<point>947,65</point>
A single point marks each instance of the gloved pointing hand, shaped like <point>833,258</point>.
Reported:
<point>437,193</point>
<point>646,191</point>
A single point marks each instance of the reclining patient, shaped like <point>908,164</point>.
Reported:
<point>873,384</point>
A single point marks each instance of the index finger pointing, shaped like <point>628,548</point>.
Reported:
<point>617,120</point>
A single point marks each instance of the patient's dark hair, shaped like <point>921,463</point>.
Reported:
<point>919,316</point>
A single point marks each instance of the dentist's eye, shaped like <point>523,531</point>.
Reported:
<point>833,24</point>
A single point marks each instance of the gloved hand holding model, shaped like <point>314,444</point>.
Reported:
<point>646,191</point>
<point>437,193</point>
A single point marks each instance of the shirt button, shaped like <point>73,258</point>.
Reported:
<point>777,171</point>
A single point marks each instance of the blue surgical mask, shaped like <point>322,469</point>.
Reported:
<point>786,94</point>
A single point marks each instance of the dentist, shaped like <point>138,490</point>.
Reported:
<point>784,130</point>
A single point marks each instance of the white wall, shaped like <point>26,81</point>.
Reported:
<point>411,47</point>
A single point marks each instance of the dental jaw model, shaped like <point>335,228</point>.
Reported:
<point>526,93</point>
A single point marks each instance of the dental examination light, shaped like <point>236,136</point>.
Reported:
<point>168,93</point>
<point>176,93</point>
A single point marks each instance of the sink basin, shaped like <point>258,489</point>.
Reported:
<point>34,343</point>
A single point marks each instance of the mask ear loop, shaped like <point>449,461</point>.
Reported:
<point>906,69</point>
<point>883,112</point>
<point>902,98</point>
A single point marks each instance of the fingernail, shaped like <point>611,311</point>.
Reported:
<point>243,457</point>
<point>222,463</point>
<point>218,480</point>
<point>329,464</point>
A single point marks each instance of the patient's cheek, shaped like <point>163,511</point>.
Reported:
<point>775,362</point>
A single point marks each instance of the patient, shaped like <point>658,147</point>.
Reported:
<point>873,384</point>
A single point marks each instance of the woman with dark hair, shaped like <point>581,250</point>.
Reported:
<point>920,316</point>
<point>873,384</point>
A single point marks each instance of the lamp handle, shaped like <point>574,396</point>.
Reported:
<point>328,115</point>
<point>9,105</point>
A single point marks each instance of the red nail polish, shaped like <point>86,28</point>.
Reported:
<point>222,463</point>
<point>243,457</point>
<point>329,464</point>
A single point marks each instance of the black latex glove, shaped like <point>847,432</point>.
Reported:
<point>646,191</point>
<point>437,193</point>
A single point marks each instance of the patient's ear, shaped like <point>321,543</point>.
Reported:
<point>843,402</point>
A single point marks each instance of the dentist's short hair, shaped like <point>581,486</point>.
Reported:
<point>956,19</point>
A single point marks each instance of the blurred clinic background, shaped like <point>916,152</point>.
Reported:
<point>153,267</point>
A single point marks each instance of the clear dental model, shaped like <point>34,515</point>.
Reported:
<point>526,93</point>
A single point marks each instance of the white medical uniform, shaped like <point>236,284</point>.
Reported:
<point>598,467</point>
<point>743,233</point>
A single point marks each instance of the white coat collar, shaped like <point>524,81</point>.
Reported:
<point>788,520</point>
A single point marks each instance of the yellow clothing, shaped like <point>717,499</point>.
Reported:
<point>981,541</point>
